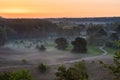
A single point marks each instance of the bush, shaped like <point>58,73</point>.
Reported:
<point>42,68</point>
<point>77,72</point>
<point>17,75</point>
<point>41,48</point>
<point>5,76</point>
<point>24,61</point>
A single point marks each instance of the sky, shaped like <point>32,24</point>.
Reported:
<point>59,8</point>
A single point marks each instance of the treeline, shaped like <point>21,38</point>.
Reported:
<point>27,28</point>
<point>92,19</point>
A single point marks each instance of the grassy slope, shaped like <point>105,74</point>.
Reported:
<point>92,50</point>
<point>111,50</point>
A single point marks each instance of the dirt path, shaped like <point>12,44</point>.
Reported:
<point>87,58</point>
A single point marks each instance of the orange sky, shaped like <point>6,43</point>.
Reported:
<point>59,8</point>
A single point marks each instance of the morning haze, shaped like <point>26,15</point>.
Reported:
<point>59,39</point>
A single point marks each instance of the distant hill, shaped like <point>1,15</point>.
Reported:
<point>94,19</point>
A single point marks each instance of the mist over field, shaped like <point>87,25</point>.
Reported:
<point>59,39</point>
<point>29,43</point>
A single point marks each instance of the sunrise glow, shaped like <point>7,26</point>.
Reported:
<point>59,8</point>
<point>13,10</point>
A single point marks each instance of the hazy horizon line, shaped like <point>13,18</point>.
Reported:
<point>57,17</point>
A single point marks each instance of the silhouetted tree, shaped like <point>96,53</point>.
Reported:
<point>79,45</point>
<point>62,43</point>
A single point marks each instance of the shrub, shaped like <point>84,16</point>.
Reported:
<point>42,68</point>
<point>24,61</point>
<point>77,72</point>
<point>17,75</point>
<point>5,76</point>
<point>41,48</point>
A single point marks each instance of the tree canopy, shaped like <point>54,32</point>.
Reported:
<point>62,43</point>
<point>79,45</point>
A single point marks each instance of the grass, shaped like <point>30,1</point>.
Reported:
<point>92,50</point>
<point>69,47</point>
<point>111,50</point>
<point>51,45</point>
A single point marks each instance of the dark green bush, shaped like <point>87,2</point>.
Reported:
<point>17,75</point>
<point>41,48</point>
<point>42,68</point>
<point>77,72</point>
<point>24,61</point>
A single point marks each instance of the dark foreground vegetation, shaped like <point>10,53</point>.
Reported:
<point>16,75</point>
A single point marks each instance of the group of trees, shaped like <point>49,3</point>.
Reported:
<point>103,34</point>
<point>68,31</point>
<point>2,36</point>
<point>96,35</point>
<point>79,44</point>
<point>28,28</point>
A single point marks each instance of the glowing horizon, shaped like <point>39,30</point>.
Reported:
<point>59,8</point>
